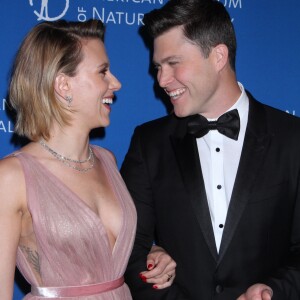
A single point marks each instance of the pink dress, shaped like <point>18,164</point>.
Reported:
<point>72,243</point>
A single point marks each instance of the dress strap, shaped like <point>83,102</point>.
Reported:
<point>76,291</point>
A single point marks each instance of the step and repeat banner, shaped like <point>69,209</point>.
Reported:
<point>268,61</point>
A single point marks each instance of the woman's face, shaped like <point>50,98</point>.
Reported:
<point>93,86</point>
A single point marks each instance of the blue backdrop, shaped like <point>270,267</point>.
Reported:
<point>268,34</point>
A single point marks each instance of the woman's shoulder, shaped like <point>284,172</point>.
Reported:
<point>10,169</point>
<point>100,151</point>
<point>12,183</point>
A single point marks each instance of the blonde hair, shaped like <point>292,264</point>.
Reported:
<point>49,48</point>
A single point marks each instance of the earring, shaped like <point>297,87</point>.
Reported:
<point>69,100</point>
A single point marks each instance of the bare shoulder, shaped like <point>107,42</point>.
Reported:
<point>12,183</point>
<point>10,170</point>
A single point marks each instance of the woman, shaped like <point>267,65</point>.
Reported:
<point>66,218</point>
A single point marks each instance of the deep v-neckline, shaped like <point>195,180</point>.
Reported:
<point>81,202</point>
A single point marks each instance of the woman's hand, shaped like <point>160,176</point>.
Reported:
<point>161,268</point>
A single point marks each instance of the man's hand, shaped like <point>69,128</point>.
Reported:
<point>257,291</point>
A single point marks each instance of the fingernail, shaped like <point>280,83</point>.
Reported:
<point>143,277</point>
<point>150,266</point>
<point>155,286</point>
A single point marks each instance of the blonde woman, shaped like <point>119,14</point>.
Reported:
<point>66,217</point>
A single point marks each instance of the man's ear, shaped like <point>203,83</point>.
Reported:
<point>62,85</point>
<point>221,56</point>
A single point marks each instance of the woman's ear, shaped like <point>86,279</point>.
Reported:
<point>62,85</point>
<point>221,56</point>
<point>62,88</point>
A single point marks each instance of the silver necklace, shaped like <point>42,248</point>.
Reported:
<point>68,161</point>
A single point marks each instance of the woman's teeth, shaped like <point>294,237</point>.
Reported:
<point>107,100</point>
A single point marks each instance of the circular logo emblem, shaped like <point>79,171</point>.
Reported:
<point>43,13</point>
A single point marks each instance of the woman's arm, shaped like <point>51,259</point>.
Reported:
<point>12,187</point>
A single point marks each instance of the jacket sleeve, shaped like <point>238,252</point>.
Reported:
<point>136,175</point>
<point>285,282</point>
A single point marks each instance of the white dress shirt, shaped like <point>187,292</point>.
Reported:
<point>219,158</point>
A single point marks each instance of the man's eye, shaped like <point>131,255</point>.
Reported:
<point>172,63</point>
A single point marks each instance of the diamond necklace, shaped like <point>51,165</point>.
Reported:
<point>67,161</point>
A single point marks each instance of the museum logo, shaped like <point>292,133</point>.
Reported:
<point>42,9</point>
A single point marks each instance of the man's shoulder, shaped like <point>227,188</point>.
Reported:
<point>162,124</point>
<point>160,121</point>
<point>280,117</point>
<point>276,121</point>
<point>273,113</point>
<point>162,128</point>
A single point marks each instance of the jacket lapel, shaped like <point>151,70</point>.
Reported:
<point>255,146</point>
<point>186,152</point>
<point>254,150</point>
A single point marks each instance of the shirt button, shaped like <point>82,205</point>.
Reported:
<point>221,226</point>
<point>219,186</point>
<point>218,149</point>
<point>219,289</point>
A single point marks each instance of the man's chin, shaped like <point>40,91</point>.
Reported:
<point>181,114</point>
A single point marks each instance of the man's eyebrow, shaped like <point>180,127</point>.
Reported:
<point>166,59</point>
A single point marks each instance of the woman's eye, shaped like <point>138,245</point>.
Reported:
<point>103,72</point>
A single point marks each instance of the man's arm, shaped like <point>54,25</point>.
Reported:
<point>284,283</point>
<point>137,178</point>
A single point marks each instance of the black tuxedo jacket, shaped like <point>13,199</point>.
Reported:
<point>261,238</point>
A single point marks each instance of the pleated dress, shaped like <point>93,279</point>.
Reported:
<point>75,258</point>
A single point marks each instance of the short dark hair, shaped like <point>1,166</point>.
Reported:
<point>48,49</point>
<point>205,23</point>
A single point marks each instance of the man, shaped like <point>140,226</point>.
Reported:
<point>221,197</point>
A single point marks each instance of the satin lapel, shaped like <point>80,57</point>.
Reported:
<point>188,160</point>
<point>254,150</point>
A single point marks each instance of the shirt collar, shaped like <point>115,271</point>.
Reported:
<point>242,103</point>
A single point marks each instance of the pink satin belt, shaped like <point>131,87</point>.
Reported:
<point>76,291</point>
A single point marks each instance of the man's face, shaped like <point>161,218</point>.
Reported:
<point>186,76</point>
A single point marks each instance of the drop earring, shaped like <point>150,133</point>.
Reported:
<point>69,100</point>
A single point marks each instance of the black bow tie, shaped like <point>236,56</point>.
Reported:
<point>227,124</point>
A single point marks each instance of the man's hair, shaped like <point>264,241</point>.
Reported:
<point>49,48</point>
<point>204,22</point>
